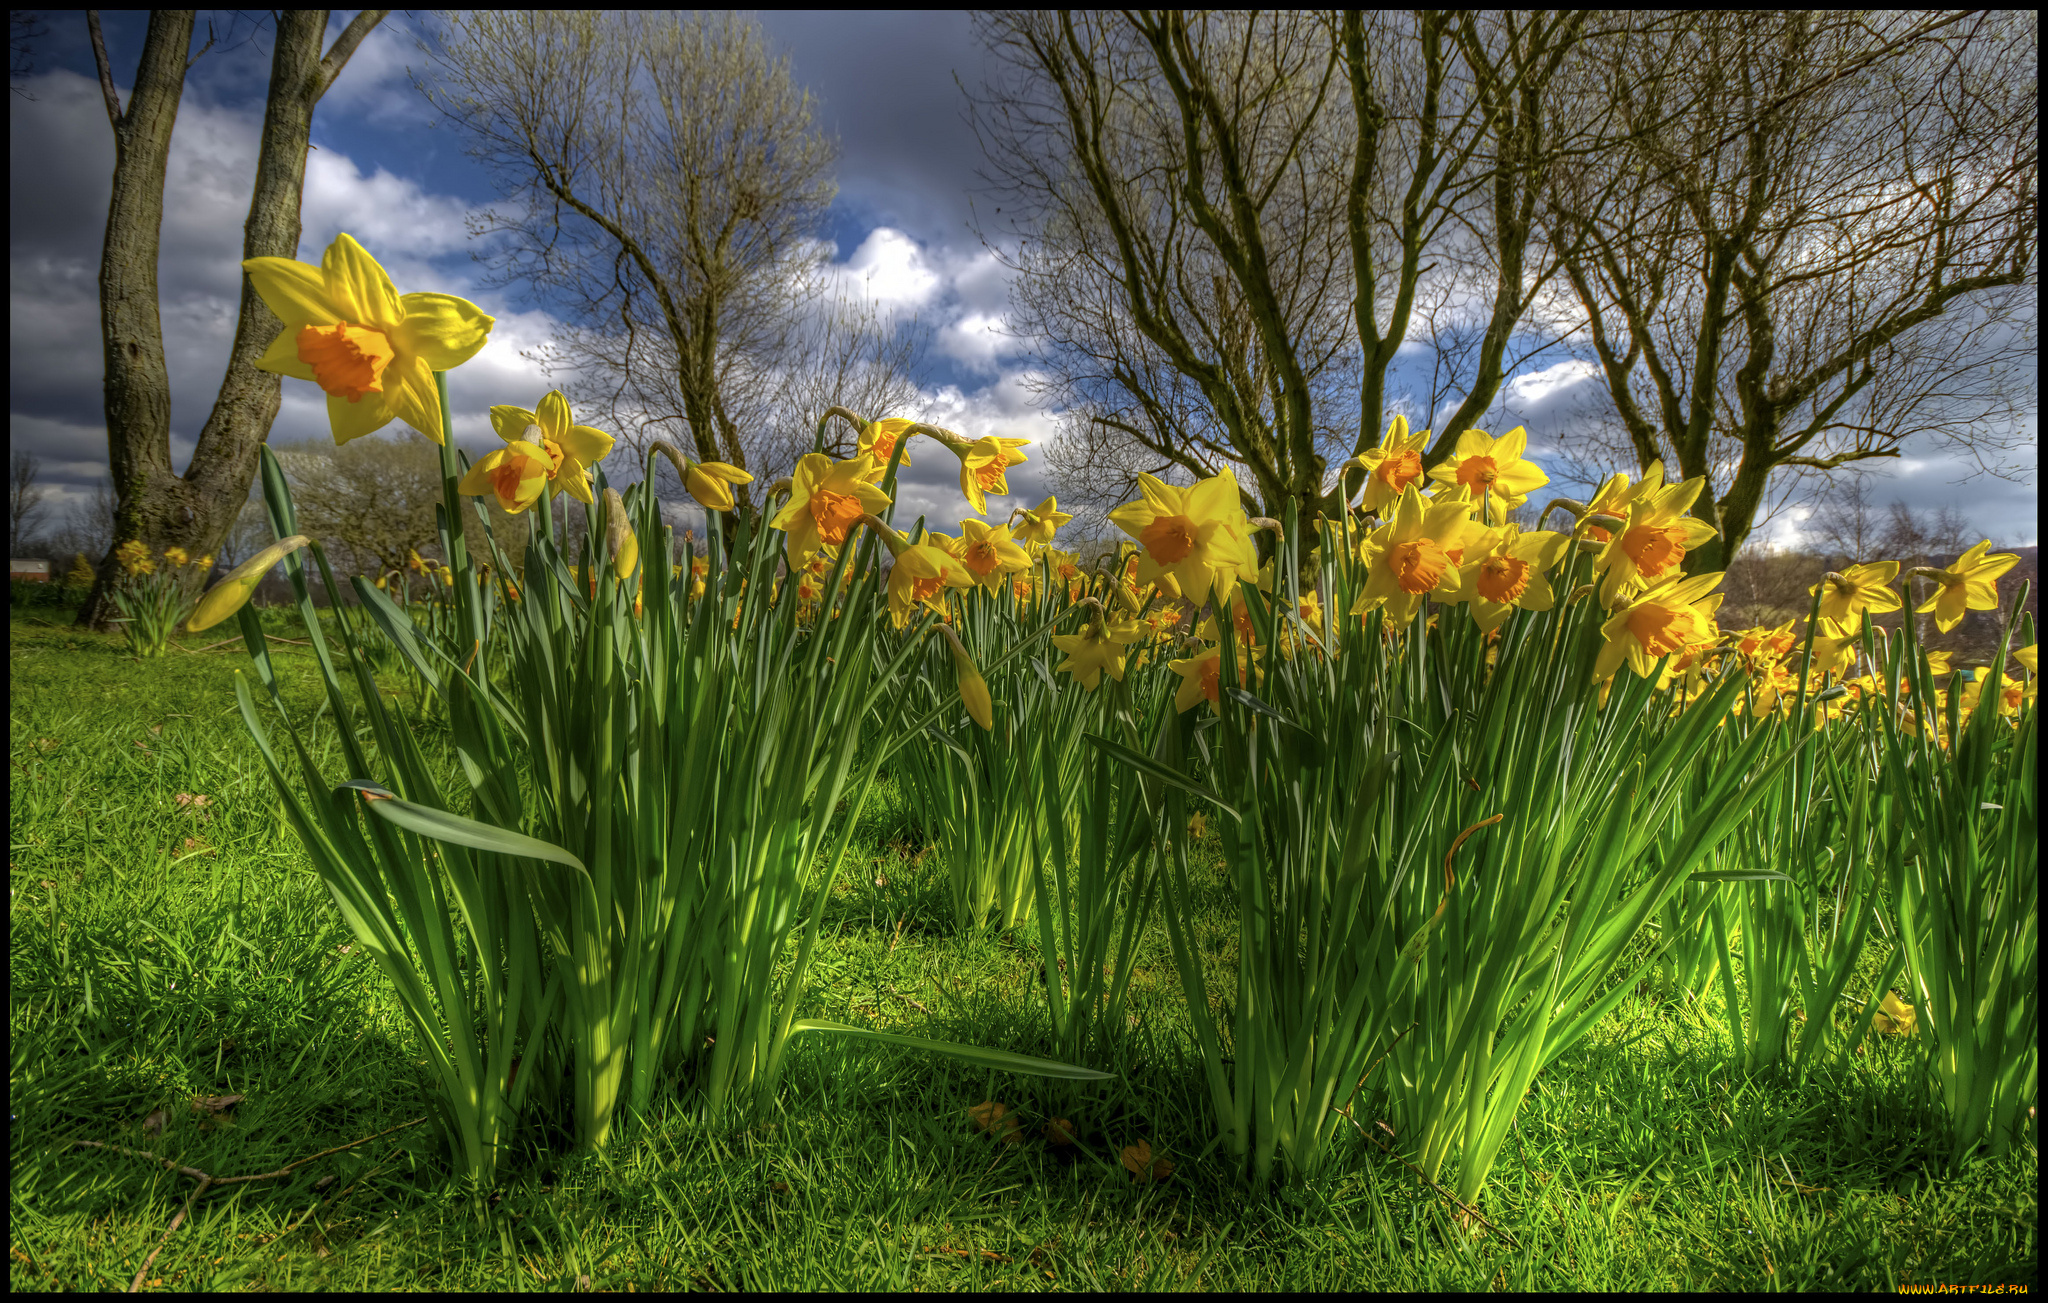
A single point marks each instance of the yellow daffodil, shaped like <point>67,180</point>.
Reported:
<point>569,449</point>
<point>514,474</point>
<point>1857,589</point>
<point>1668,618</point>
<point>1410,557</point>
<point>1493,469</point>
<point>372,350</point>
<point>1616,495</point>
<point>1200,679</point>
<point>229,595</point>
<point>1969,584</point>
<point>134,559</point>
<point>1040,522</point>
<point>1101,644</point>
<point>984,468</point>
<point>989,553</point>
<point>1834,648</point>
<point>177,556</point>
<point>2028,656</point>
<point>878,440</point>
<point>1391,467</point>
<point>825,499</point>
<point>1197,535</point>
<point>1654,541</point>
<point>921,574</point>
<point>1505,570</point>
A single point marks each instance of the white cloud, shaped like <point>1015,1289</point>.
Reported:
<point>891,269</point>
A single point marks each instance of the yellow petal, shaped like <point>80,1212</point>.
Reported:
<point>575,480</point>
<point>357,287</point>
<point>580,443</point>
<point>553,415</point>
<point>510,422</point>
<point>294,291</point>
<point>409,387</point>
<point>445,330</point>
<point>352,420</point>
<point>282,357</point>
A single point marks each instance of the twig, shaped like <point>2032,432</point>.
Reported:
<point>912,1003</point>
<point>207,1182</point>
<point>215,646</point>
<point>1464,1207</point>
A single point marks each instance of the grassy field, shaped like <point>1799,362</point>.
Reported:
<point>168,952</point>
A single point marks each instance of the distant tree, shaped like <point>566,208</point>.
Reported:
<point>157,505</point>
<point>667,179</point>
<point>25,506</point>
<point>80,574</point>
<point>1825,243</point>
<point>370,502</point>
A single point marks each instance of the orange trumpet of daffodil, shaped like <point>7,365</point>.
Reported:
<point>825,499</point>
<point>878,440</point>
<point>569,449</point>
<point>373,350</point>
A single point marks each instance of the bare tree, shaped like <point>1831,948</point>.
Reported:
<point>26,508</point>
<point>1825,243</point>
<point>1223,223</point>
<point>158,506</point>
<point>664,176</point>
<point>370,502</point>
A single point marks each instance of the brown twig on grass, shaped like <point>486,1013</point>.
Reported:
<point>207,1182</point>
<point>216,646</point>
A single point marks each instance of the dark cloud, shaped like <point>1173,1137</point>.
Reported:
<point>885,86</point>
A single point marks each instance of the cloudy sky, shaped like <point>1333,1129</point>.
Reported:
<point>885,85</point>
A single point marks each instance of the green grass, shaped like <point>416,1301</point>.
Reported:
<point>162,952</point>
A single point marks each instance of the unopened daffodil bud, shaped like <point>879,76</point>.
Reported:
<point>973,688</point>
<point>231,593</point>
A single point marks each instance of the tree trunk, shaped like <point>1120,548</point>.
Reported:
<point>155,504</point>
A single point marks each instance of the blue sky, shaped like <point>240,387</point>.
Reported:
<point>885,85</point>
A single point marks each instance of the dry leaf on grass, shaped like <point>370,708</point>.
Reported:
<point>1059,1132</point>
<point>1144,1168</point>
<point>995,1118</point>
<point>154,1123</point>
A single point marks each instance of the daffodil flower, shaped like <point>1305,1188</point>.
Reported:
<point>1189,534</point>
<point>1101,644</point>
<point>1507,571</point>
<point>1040,522</point>
<point>989,553</point>
<point>920,577</point>
<point>372,350</point>
<point>984,468</point>
<point>825,499</point>
<point>570,450</point>
<point>1670,617</point>
<point>1969,584</point>
<point>1653,541</point>
<point>1857,589</point>
<point>1410,556</point>
<point>1493,469</point>
<point>878,440</point>
<point>1391,467</point>
<point>514,474</point>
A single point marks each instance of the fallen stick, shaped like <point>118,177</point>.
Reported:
<point>207,1182</point>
